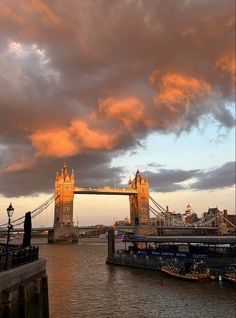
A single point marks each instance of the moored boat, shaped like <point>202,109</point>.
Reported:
<point>196,272</point>
<point>230,273</point>
<point>230,277</point>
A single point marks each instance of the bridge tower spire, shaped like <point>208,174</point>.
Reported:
<point>64,188</point>
<point>139,203</point>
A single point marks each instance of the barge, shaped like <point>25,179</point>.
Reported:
<point>149,253</point>
<point>196,272</point>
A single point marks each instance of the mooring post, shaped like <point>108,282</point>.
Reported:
<point>45,296</point>
<point>111,243</point>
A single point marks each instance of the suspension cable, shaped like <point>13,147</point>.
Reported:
<point>34,213</point>
<point>156,213</point>
<point>229,222</point>
<point>158,205</point>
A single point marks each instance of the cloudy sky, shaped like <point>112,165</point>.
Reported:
<point>112,86</point>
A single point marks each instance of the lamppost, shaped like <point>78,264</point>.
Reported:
<point>10,211</point>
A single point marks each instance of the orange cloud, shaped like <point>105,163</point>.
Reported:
<point>48,16</point>
<point>71,141</point>
<point>91,138</point>
<point>129,111</point>
<point>8,13</point>
<point>207,27</point>
<point>19,166</point>
<point>54,143</point>
<point>226,63</point>
<point>176,94</point>
<point>177,91</point>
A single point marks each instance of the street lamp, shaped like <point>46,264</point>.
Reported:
<point>10,211</point>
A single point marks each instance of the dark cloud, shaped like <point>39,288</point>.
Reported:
<point>89,170</point>
<point>224,116</point>
<point>168,180</point>
<point>84,80</point>
<point>217,178</point>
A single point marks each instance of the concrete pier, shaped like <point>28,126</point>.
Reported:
<point>22,285</point>
<point>67,234</point>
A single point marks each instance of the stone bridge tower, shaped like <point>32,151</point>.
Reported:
<point>64,187</point>
<point>139,203</point>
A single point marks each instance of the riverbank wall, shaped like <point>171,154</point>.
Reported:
<point>22,288</point>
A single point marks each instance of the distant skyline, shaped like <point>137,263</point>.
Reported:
<point>111,87</point>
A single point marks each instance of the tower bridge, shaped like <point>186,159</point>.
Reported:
<point>65,189</point>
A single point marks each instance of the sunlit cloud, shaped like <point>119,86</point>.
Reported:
<point>91,138</point>
<point>53,143</point>
<point>129,111</point>
<point>14,47</point>
<point>74,140</point>
<point>30,58</point>
<point>43,11</point>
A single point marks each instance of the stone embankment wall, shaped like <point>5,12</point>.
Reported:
<point>22,286</point>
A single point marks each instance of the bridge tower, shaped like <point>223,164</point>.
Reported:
<point>64,187</point>
<point>139,203</point>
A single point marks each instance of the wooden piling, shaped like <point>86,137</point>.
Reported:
<point>111,243</point>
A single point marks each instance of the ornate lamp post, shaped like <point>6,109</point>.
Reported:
<point>10,211</point>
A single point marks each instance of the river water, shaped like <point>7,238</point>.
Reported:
<point>82,285</point>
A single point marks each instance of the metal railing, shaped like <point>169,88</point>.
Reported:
<point>17,256</point>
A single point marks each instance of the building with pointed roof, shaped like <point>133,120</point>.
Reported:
<point>139,203</point>
<point>64,189</point>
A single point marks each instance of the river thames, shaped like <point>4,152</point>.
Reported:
<point>82,285</point>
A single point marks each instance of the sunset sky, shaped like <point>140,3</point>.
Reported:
<point>112,86</point>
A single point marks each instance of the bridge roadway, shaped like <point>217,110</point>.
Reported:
<point>122,228</point>
<point>104,190</point>
<point>130,228</point>
<point>47,228</point>
<point>187,227</point>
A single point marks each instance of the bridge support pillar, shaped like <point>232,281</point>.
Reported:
<point>67,234</point>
